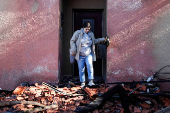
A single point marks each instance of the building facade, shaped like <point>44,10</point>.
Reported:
<point>35,36</point>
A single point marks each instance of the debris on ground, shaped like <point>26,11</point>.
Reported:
<point>124,98</point>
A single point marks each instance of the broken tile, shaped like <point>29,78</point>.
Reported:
<point>67,104</point>
<point>20,98</point>
<point>19,90</point>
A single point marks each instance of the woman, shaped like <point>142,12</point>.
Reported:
<point>82,46</point>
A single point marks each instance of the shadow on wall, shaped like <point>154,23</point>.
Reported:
<point>161,40</point>
<point>130,54</point>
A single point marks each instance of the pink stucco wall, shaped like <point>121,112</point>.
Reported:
<point>132,26</point>
<point>29,42</point>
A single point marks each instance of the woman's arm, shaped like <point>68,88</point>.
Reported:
<point>98,40</point>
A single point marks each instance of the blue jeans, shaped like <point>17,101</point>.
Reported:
<point>81,65</point>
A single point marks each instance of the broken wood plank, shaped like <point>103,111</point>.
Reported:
<point>9,103</point>
<point>40,109</point>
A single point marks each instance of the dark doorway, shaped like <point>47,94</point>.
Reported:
<point>95,18</point>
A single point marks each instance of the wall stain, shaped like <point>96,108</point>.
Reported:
<point>35,6</point>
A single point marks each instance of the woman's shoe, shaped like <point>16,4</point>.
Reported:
<point>82,85</point>
<point>91,83</point>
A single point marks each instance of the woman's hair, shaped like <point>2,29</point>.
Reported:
<point>87,24</point>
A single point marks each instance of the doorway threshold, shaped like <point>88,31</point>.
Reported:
<point>75,79</point>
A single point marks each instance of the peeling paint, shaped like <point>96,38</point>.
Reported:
<point>130,70</point>
<point>49,59</point>
<point>138,73</point>
<point>40,69</point>
<point>132,5</point>
<point>117,72</point>
<point>112,50</point>
<point>142,51</point>
<point>35,6</point>
<point>49,3</point>
<point>128,5</point>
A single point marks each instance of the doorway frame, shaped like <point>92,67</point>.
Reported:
<point>104,61</point>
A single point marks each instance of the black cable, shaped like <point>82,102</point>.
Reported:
<point>157,73</point>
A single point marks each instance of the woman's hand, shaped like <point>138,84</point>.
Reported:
<point>107,41</point>
<point>103,39</point>
<point>73,54</point>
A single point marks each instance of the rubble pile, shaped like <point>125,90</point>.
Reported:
<point>101,99</point>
